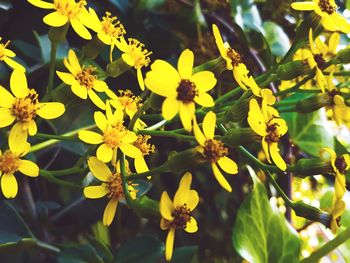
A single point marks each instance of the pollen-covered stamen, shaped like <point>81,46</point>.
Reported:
<point>115,186</point>
<point>142,143</point>
<point>234,56</point>
<point>327,7</point>
<point>273,135</point>
<point>129,101</point>
<point>3,48</point>
<point>182,215</point>
<point>321,63</point>
<point>69,8</point>
<point>86,77</point>
<point>113,135</point>
<point>111,26</point>
<point>139,53</point>
<point>186,91</point>
<point>214,150</point>
<point>9,162</point>
<point>340,164</point>
<point>24,109</point>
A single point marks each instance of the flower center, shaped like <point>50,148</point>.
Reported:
<point>2,49</point>
<point>321,63</point>
<point>181,215</point>
<point>69,8</point>
<point>214,150</point>
<point>273,135</point>
<point>234,56</point>
<point>340,164</point>
<point>115,186</point>
<point>186,91</point>
<point>24,109</point>
<point>327,7</point>
<point>9,162</point>
<point>130,102</point>
<point>113,135</point>
<point>142,143</point>
<point>139,53</point>
<point>111,26</point>
<point>86,78</point>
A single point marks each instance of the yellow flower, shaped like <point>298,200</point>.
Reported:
<point>25,106</point>
<point>177,214</point>
<point>214,150</point>
<point>6,55</point>
<point>67,11</point>
<point>328,50</point>
<point>340,165</point>
<point>114,136</point>
<point>234,63</point>
<point>270,128</point>
<point>111,187</point>
<point>327,10</point>
<point>11,162</point>
<point>181,88</point>
<point>82,81</point>
<point>135,55</point>
<point>337,210</point>
<point>145,148</point>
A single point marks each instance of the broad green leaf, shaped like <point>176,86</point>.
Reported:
<point>184,254</point>
<point>261,233</point>
<point>79,253</point>
<point>277,38</point>
<point>45,47</point>
<point>150,5</point>
<point>145,249</point>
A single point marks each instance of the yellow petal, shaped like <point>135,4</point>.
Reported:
<point>104,153</point>
<point>256,118</point>
<point>140,79</point>
<point>110,211</point>
<point>96,99</point>
<point>32,128</point>
<point>80,29</point>
<point>129,137</point>
<point>340,185</point>
<point>170,108</point>
<point>99,169</point>
<point>128,59</point>
<point>67,78</point>
<point>141,165</point>
<point>338,208</point>
<point>18,139</point>
<point>130,150</point>
<point>18,84</point>
<point>90,137</point>
<point>276,157</point>
<point>79,90</point>
<point>332,155</point>
<point>74,61</point>
<point>100,120</point>
<point>204,99</point>
<point>169,244</point>
<point>186,113</point>
<point>55,19</point>
<point>198,134</point>
<point>192,200</point>
<point>191,226</point>
<point>51,110</point>
<point>9,185</point>
<point>209,123</point>
<point>96,191</point>
<point>228,165</point>
<point>28,168</point>
<point>41,4</point>
<point>13,64</point>
<point>100,85</point>
<point>303,6</point>
<point>164,225</point>
<point>218,40</point>
<point>220,178</point>
<point>166,207</point>
<point>185,64</point>
<point>182,193</point>
<point>204,80</point>
<point>6,117</point>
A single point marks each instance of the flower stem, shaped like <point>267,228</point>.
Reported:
<point>56,137</point>
<point>51,178</point>
<point>137,115</point>
<point>54,45</point>
<point>166,134</point>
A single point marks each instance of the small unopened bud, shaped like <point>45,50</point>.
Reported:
<point>93,48</point>
<point>292,70</point>
<point>240,136</point>
<point>313,21</point>
<point>343,55</point>
<point>312,213</point>
<point>117,67</point>
<point>185,160</point>
<point>58,34</point>
<point>314,103</point>
<point>238,112</point>
<point>217,66</point>
<point>146,207</point>
<point>156,101</point>
<point>309,167</point>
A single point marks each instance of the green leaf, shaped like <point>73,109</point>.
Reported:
<point>145,249</point>
<point>261,233</point>
<point>45,48</point>
<point>277,38</point>
<point>79,253</point>
<point>184,254</point>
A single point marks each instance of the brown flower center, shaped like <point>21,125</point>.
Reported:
<point>182,215</point>
<point>9,162</point>
<point>112,27</point>
<point>86,77</point>
<point>142,143</point>
<point>113,135</point>
<point>340,164</point>
<point>327,7</point>
<point>24,109</point>
<point>115,186</point>
<point>69,8</point>
<point>186,91</point>
<point>234,56</point>
<point>273,135</point>
<point>214,150</point>
<point>321,63</point>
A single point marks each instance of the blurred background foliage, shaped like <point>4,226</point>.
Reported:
<point>47,213</point>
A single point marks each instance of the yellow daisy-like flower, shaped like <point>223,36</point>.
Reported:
<point>11,162</point>
<point>135,55</point>
<point>270,128</point>
<point>67,11</point>
<point>24,106</point>
<point>146,149</point>
<point>181,88</point>
<point>6,55</point>
<point>337,210</point>
<point>327,10</point>
<point>177,214</point>
<point>82,80</point>
<point>214,150</point>
<point>329,49</point>
<point>234,63</point>
<point>114,136</point>
<point>111,187</point>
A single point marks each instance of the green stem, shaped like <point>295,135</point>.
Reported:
<point>258,163</point>
<point>328,247</point>
<point>160,169</point>
<point>296,86</point>
<point>125,183</point>
<point>280,191</point>
<point>57,137</point>
<point>54,46</point>
<point>68,171</point>
<point>67,208</point>
<point>167,134</point>
<point>49,177</point>
<point>138,114</point>
<point>28,243</point>
<point>51,142</point>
